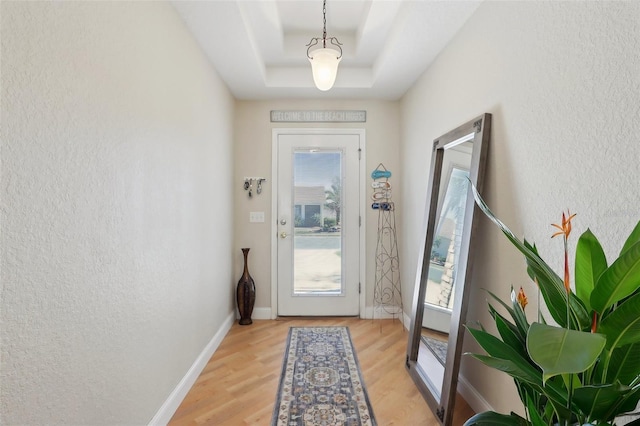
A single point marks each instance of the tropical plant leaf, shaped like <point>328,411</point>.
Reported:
<point>632,239</point>
<point>627,404</point>
<point>504,358</point>
<point>618,281</point>
<point>542,403</point>
<point>622,326</point>
<point>582,319</point>
<point>550,284</point>
<point>598,401</point>
<point>623,365</point>
<point>559,351</point>
<point>525,390</point>
<point>555,394</point>
<point>591,262</point>
<point>509,336</point>
<point>500,351</point>
<point>510,367</point>
<point>555,294</point>
<point>534,414</point>
<point>557,408</point>
<point>491,418</point>
<point>519,318</point>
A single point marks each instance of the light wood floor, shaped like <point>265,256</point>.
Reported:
<point>238,386</point>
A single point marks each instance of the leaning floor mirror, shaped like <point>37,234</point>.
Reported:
<point>444,270</point>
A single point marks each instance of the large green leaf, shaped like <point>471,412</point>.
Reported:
<point>622,326</point>
<point>623,366</point>
<point>559,351</point>
<point>514,364</point>
<point>598,401</point>
<point>509,336</point>
<point>514,369</point>
<point>590,264</point>
<point>491,418</point>
<point>633,238</point>
<point>620,280</point>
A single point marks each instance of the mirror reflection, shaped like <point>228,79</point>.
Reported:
<point>443,259</point>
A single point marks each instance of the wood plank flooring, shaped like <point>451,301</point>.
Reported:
<point>239,384</point>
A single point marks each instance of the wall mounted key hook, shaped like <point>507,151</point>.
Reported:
<point>250,181</point>
<point>259,189</point>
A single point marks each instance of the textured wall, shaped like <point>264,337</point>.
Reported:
<point>562,80</point>
<point>116,171</point>
<point>253,158</point>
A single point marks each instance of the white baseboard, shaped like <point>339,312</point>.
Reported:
<point>169,407</point>
<point>472,396</point>
<point>258,314</point>
<point>261,313</point>
<point>380,312</point>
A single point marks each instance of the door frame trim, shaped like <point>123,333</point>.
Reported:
<point>274,206</point>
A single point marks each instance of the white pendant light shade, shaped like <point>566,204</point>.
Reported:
<point>324,65</point>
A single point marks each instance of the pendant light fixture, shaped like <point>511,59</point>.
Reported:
<point>325,60</point>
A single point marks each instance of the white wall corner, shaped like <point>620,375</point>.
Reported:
<point>472,396</point>
<point>381,314</point>
<point>169,407</point>
<point>407,321</point>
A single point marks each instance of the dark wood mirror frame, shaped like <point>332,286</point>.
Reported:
<point>441,401</point>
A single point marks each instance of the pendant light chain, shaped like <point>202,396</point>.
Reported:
<point>324,21</point>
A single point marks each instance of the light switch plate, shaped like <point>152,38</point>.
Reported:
<point>256,217</point>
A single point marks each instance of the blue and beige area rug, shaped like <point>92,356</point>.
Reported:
<point>437,347</point>
<point>321,383</point>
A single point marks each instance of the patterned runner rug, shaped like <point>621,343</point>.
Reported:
<point>437,347</point>
<point>321,383</point>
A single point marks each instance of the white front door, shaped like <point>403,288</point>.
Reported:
<point>318,222</point>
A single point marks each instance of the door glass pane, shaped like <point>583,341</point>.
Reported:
<point>317,241</point>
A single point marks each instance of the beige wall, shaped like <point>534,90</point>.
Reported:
<point>253,143</point>
<point>562,80</point>
<point>116,210</point>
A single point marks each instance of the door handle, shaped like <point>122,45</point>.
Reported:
<point>283,235</point>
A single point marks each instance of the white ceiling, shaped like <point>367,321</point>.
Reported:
<point>259,46</point>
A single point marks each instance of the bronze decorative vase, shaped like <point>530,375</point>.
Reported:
<point>246,293</point>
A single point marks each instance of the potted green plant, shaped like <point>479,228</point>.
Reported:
<point>585,369</point>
